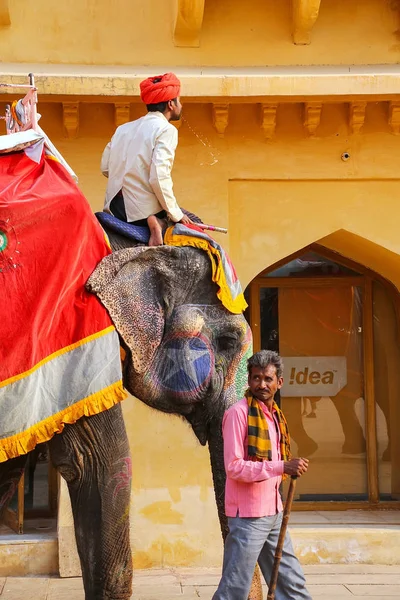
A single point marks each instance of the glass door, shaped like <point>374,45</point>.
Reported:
<point>318,331</point>
<point>337,329</point>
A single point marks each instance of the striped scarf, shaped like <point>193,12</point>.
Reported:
<point>259,443</point>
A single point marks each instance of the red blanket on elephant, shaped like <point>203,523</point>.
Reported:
<point>59,352</point>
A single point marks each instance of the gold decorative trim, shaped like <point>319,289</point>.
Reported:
<point>263,115</point>
<point>122,113</point>
<point>188,23</point>
<point>312,117</point>
<point>220,115</point>
<point>357,116</point>
<point>305,15</point>
<point>71,119</point>
<point>268,119</point>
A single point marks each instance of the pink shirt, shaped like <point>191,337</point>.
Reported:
<point>252,488</point>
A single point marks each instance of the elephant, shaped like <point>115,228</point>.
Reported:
<point>184,354</point>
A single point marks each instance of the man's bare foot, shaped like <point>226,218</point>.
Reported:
<point>156,236</point>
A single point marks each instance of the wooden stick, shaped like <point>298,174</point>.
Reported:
<point>282,534</point>
<point>211,227</point>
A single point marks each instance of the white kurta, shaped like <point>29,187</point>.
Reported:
<point>138,160</point>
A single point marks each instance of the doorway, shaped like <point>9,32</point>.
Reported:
<point>335,325</point>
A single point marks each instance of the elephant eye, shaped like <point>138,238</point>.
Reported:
<point>226,342</point>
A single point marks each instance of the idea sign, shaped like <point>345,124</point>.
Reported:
<point>313,376</point>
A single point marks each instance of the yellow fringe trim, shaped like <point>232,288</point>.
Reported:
<point>94,336</point>
<point>24,442</point>
<point>237,305</point>
<point>51,156</point>
<point>106,239</point>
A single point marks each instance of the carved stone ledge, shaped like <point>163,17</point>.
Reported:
<point>188,23</point>
<point>312,117</point>
<point>122,113</point>
<point>394,117</point>
<point>220,114</point>
<point>268,119</point>
<point>71,119</point>
<point>357,116</point>
<point>5,20</point>
<point>305,15</point>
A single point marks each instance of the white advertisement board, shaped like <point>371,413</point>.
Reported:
<point>312,376</point>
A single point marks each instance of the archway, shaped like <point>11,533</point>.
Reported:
<point>335,322</point>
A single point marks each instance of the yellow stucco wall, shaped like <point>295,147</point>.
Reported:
<point>275,196</point>
<point>173,515</point>
<point>234,33</point>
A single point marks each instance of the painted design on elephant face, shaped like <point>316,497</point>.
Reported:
<point>236,377</point>
<point>203,342</point>
<point>188,364</point>
<point>123,477</point>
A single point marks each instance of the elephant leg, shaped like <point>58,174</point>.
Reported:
<point>93,457</point>
<point>216,449</point>
<point>10,473</point>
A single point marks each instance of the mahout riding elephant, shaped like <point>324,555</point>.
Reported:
<point>184,354</point>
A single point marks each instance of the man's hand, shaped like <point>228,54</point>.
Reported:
<point>186,221</point>
<point>296,466</point>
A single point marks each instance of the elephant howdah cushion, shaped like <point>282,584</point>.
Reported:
<point>59,351</point>
<point>223,272</point>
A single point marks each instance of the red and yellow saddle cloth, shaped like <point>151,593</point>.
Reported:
<point>59,352</point>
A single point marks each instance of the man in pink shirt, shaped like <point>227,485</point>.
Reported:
<point>257,455</point>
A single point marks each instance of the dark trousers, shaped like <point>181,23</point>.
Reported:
<point>117,208</point>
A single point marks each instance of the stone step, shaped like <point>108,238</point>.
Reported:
<point>337,539</point>
<point>335,544</point>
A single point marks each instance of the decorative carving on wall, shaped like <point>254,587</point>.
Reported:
<point>188,23</point>
<point>220,114</point>
<point>268,119</point>
<point>357,116</point>
<point>312,116</point>
<point>71,119</point>
<point>5,20</point>
<point>394,117</point>
<point>305,14</point>
<point>122,113</point>
<point>264,115</point>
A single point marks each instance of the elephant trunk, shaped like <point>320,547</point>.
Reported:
<point>216,449</point>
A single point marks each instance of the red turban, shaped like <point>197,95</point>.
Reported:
<point>160,88</point>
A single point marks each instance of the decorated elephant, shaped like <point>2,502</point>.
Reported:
<point>184,354</point>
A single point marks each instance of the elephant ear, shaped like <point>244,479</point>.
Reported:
<point>128,288</point>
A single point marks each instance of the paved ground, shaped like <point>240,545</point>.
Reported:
<point>331,582</point>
